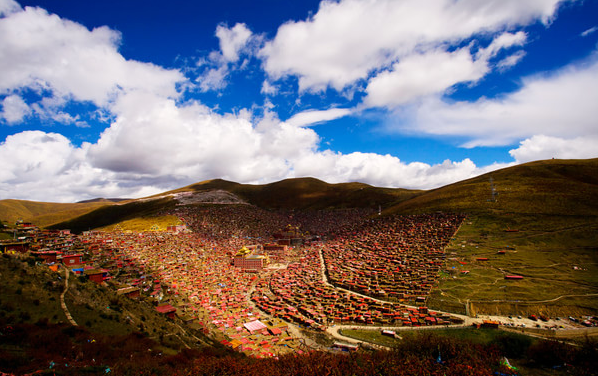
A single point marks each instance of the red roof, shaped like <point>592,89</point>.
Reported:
<point>165,308</point>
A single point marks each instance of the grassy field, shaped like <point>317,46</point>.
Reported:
<point>480,336</point>
<point>556,255</point>
<point>31,292</point>
<point>144,224</point>
<point>44,214</point>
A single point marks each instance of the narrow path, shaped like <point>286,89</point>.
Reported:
<point>62,303</point>
<point>325,280</point>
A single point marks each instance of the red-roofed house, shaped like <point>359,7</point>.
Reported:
<point>167,310</point>
<point>255,326</point>
<point>72,260</point>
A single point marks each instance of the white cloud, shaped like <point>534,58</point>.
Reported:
<point>422,74</point>
<point>562,104</point>
<point>14,109</point>
<point>219,64</point>
<point>268,88</point>
<point>213,78</point>
<point>346,41</point>
<point>545,147</point>
<point>589,31</point>
<point>233,40</point>
<point>386,170</point>
<point>38,165</point>
<point>503,41</point>
<point>155,137</point>
<point>40,50</point>
<point>8,7</point>
<point>155,145</point>
<point>511,60</point>
<point>313,116</point>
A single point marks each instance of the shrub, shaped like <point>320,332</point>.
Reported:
<point>547,353</point>
<point>513,346</point>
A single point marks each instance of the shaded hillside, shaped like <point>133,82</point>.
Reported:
<point>111,214</point>
<point>299,194</point>
<point>44,213</point>
<point>309,193</point>
<point>554,187</point>
<point>112,329</point>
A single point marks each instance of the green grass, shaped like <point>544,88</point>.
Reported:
<point>478,336</point>
<point>553,187</point>
<point>546,251</point>
<point>159,223</point>
<point>31,293</point>
<point>44,214</point>
<point>371,336</point>
<point>109,215</point>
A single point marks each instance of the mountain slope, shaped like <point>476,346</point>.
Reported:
<point>296,194</point>
<point>552,187</point>
<point>44,213</point>
<point>310,193</point>
<point>555,187</point>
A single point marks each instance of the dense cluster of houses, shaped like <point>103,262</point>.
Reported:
<point>396,258</point>
<point>242,274</point>
<point>298,293</point>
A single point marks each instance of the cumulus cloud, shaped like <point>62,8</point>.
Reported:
<point>126,163</point>
<point>422,74</point>
<point>346,41</point>
<point>386,170</point>
<point>561,104</point>
<point>42,51</point>
<point>545,147</point>
<point>8,6</point>
<point>157,141</point>
<point>155,136</point>
<point>155,144</point>
<point>14,109</point>
<point>232,40</point>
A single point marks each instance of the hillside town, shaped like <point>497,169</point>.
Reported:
<point>254,279</point>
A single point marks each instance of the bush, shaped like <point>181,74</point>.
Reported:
<point>513,346</point>
<point>547,353</point>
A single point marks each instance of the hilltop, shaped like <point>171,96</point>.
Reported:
<point>551,187</point>
<point>305,194</point>
<point>290,194</point>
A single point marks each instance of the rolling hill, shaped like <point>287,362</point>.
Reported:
<point>295,194</point>
<point>45,213</point>
<point>551,187</point>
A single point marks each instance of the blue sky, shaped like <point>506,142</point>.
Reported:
<point>131,98</point>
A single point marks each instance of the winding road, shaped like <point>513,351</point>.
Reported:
<point>62,303</point>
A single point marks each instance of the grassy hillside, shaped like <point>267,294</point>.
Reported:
<point>112,214</point>
<point>300,194</point>
<point>308,193</point>
<point>44,213</point>
<point>31,292</point>
<point>555,187</point>
<point>116,335</point>
<point>546,218</point>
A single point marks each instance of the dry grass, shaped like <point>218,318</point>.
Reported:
<point>44,213</point>
<point>557,256</point>
<point>160,223</point>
